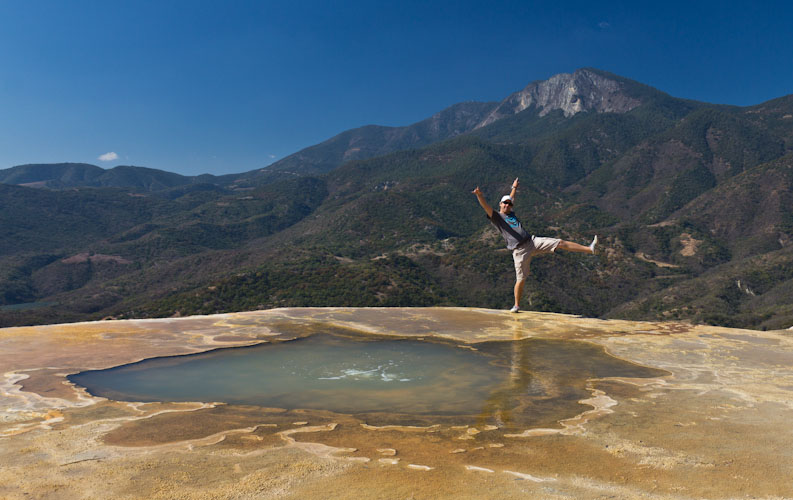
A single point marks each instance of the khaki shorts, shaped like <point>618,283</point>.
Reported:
<point>535,246</point>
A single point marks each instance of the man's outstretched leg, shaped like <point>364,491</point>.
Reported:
<point>575,247</point>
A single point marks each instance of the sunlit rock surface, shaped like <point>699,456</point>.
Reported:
<point>716,424</point>
<point>584,90</point>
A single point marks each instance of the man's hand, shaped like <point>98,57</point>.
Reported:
<point>514,190</point>
<point>481,199</point>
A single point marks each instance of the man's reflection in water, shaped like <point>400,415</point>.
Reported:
<point>546,379</point>
<point>502,402</point>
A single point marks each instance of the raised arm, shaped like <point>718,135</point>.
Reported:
<point>515,185</point>
<point>481,198</point>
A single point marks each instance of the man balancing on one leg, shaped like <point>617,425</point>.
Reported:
<point>523,245</point>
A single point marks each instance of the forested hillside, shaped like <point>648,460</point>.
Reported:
<point>692,203</point>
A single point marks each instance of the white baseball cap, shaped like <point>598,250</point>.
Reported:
<point>505,198</point>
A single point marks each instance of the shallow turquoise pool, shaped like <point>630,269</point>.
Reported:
<point>318,372</point>
<point>360,374</point>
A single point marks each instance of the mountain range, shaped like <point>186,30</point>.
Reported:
<point>692,202</point>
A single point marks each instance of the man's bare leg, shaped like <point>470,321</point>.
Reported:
<point>575,247</point>
<point>519,291</point>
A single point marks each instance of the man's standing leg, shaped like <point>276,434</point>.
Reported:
<point>522,257</point>
<point>518,294</point>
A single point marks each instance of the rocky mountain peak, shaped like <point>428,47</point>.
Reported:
<point>584,90</point>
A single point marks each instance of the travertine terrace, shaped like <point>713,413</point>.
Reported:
<point>717,426</point>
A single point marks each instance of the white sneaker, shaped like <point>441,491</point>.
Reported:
<point>514,309</point>
<point>592,245</point>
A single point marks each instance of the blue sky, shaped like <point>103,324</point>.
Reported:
<point>224,87</point>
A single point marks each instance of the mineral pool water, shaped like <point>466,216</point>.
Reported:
<point>348,374</point>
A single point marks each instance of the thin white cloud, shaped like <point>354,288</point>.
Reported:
<point>108,157</point>
<point>272,157</point>
<point>604,25</point>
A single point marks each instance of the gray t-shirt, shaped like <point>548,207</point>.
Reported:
<point>510,228</point>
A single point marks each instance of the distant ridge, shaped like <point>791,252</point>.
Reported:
<point>583,90</point>
<point>51,175</point>
<point>71,175</point>
<point>374,140</point>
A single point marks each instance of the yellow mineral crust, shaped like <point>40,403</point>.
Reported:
<point>717,426</point>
